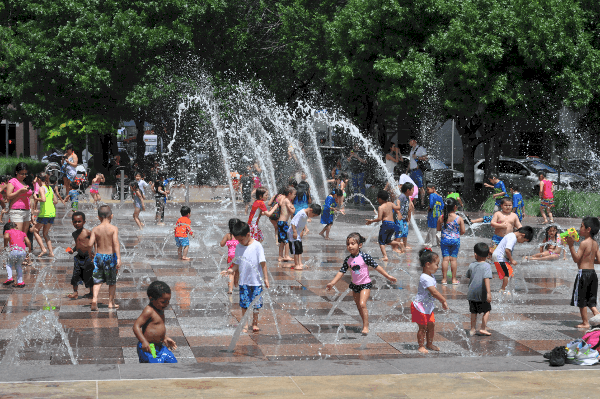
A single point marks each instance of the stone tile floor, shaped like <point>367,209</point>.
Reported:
<point>202,317</point>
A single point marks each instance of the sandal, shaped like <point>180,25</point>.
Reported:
<point>8,282</point>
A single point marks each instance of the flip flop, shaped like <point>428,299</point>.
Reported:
<point>444,283</point>
<point>456,283</point>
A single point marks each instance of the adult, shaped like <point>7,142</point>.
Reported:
<point>357,167</point>
<point>392,158</point>
<point>70,162</point>
<point>417,153</point>
<point>18,194</point>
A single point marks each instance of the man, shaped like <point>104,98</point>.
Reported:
<point>70,161</point>
<point>417,153</point>
<point>357,167</point>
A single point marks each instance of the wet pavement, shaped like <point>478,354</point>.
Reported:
<point>202,317</point>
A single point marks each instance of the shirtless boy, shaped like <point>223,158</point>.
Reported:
<point>287,210</point>
<point>83,264</point>
<point>504,222</point>
<point>388,227</point>
<point>108,257</point>
<point>585,290</point>
<point>150,327</point>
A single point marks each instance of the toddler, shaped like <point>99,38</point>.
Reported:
<point>231,242</point>
<point>183,229</point>
<point>14,242</point>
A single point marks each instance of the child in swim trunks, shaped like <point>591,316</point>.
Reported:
<point>183,229</point>
<point>361,283</point>
<point>328,212</point>
<point>73,195</point>
<point>150,328</point>
<point>388,227</point>
<point>107,261</point>
<point>402,218</point>
<point>83,262</point>
<point>421,308</point>
<point>231,242</point>
<point>287,210</point>
<point>502,255</point>
<point>504,222</point>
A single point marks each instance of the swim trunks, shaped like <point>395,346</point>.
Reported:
<point>504,269</point>
<point>163,354</point>
<point>496,239</point>
<point>360,287</point>
<point>296,248</point>
<point>547,203</point>
<point>487,219</point>
<point>45,220</point>
<point>450,248</point>
<point>479,307</point>
<point>417,176</point>
<point>75,205</point>
<point>282,232</point>
<point>585,289</point>
<point>401,229</point>
<point>247,295</point>
<point>83,269</point>
<point>256,233</point>
<point>386,232</point>
<point>182,242</point>
<point>105,269</point>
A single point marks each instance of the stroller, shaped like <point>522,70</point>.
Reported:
<point>127,180</point>
<point>53,168</point>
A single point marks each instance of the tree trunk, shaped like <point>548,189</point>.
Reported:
<point>492,152</point>
<point>468,195</point>
<point>140,145</point>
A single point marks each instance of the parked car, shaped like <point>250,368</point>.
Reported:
<point>458,177</point>
<point>524,173</point>
<point>590,169</point>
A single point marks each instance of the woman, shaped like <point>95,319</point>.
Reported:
<point>392,158</point>
<point>70,166</point>
<point>18,195</point>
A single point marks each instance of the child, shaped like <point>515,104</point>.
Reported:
<point>258,209</point>
<point>229,240</point>
<point>108,257</point>
<point>297,230</point>
<point>504,222</point>
<point>388,227</point>
<point>546,197</point>
<point>274,203</point>
<point>421,308</point>
<point>246,184</point>
<point>183,229</point>
<point>141,184</point>
<point>286,210</point>
<point>361,284</point>
<point>160,194</point>
<point>46,215</point>
<point>83,262</point>
<point>436,206</point>
<point>250,262</point>
<point>480,294</point>
<point>499,190</point>
<point>37,182</point>
<point>406,209</point>
<point>3,184</point>
<point>452,227</point>
<point>138,204</point>
<point>329,210</point>
<point>454,194</point>
<point>150,328</point>
<point>73,195</point>
<point>518,203</point>
<point>14,243</point>
<point>585,289</point>
<point>549,251</point>
<point>303,199</point>
<point>502,255</point>
<point>94,188</point>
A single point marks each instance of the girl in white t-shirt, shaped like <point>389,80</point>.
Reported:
<point>421,308</point>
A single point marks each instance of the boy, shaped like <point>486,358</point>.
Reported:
<point>436,205</point>
<point>150,327</point>
<point>406,208</point>
<point>287,209</point>
<point>183,229</point>
<point>258,209</point>
<point>246,183</point>
<point>386,217</point>
<point>83,263</point>
<point>73,195</point>
<point>499,190</point>
<point>480,295</point>
<point>108,257</point>
<point>546,197</point>
<point>518,203</point>
<point>456,196</point>
<point>252,267</point>
<point>504,222</point>
<point>585,289</point>
<point>503,253</point>
<point>296,231</point>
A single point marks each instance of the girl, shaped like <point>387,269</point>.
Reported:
<point>95,186</point>
<point>37,181</point>
<point>276,211</point>
<point>46,215</point>
<point>551,250</point>
<point>138,203</point>
<point>18,194</point>
<point>421,309</point>
<point>14,242</point>
<point>159,196</point>
<point>452,227</point>
<point>329,210</point>
<point>361,284</point>
<point>231,242</point>
<point>303,199</point>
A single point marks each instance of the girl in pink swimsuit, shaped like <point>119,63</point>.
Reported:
<point>231,242</point>
<point>550,249</point>
<point>15,241</point>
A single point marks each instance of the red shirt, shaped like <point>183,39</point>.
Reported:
<point>254,216</point>
<point>183,227</point>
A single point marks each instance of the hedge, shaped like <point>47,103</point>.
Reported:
<point>7,165</point>
<point>567,203</point>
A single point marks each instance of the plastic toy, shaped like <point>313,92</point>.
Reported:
<point>153,350</point>
<point>569,233</point>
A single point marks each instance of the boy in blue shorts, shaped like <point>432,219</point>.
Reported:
<point>436,206</point>
<point>388,227</point>
<point>406,208</point>
<point>518,203</point>
<point>250,261</point>
<point>183,229</point>
<point>150,327</point>
<point>73,195</point>
<point>108,257</point>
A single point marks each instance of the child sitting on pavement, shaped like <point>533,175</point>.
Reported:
<point>108,257</point>
<point>504,222</point>
<point>150,328</point>
<point>480,294</point>
<point>83,263</point>
<point>550,250</point>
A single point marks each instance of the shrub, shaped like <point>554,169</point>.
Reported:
<point>7,165</point>
<point>567,203</point>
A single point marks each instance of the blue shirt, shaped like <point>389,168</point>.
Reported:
<point>74,195</point>
<point>329,203</point>
<point>519,204</point>
<point>436,206</point>
<point>500,188</point>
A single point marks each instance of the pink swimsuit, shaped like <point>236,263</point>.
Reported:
<point>231,245</point>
